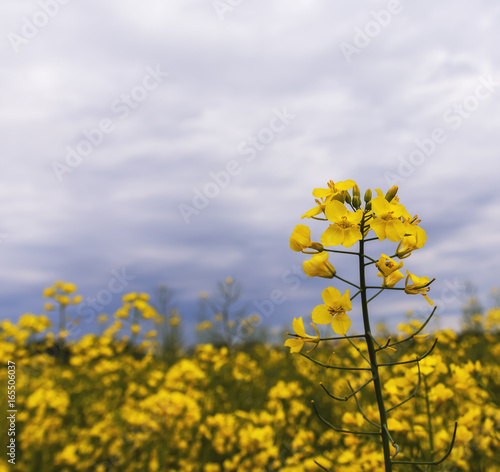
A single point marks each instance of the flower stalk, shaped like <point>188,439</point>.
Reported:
<point>389,220</point>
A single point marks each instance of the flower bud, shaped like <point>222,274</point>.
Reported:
<point>356,202</point>
<point>391,193</point>
<point>317,247</point>
<point>340,197</point>
<point>368,206</point>
<point>347,198</point>
<point>355,191</point>
<point>368,195</point>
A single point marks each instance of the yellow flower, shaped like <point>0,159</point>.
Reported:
<point>318,266</point>
<point>387,223</point>
<point>48,307</point>
<point>229,280</point>
<point>77,299</point>
<point>148,313</point>
<point>121,312</point>
<point>151,334</point>
<point>301,239</point>
<point>414,238</point>
<point>136,329</point>
<point>326,195</point>
<point>420,285</point>
<point>174,321</point>
<point>140,304</point>
<point>128,297</point>
<point>218,317</point>
<point>333,189</point>
<point>389,271</point>
<point>345,229</point>
<point>62,299</point>
<point>204,325</point>
<point>334,310</point>
<point>297,343</point>
<point>48,292</point>
<point>69,288</point>
<point>144,296</point>
<point>254,318</point>
<point>102,318</point>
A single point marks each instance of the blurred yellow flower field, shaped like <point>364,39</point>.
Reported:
<point>102,403</point>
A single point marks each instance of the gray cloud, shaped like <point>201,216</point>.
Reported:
<point>358,119</point>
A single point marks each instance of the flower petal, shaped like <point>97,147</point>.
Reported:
<point>298,327</point>
<point>331,296</point>
<point>335,210</point>
<point>333,236</point>
<point>341,324</point>
<point>295,345</point>
<point>321,315</point>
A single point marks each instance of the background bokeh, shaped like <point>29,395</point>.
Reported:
<point>288,95</point>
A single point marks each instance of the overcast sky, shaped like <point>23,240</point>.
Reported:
<point>119,117</point>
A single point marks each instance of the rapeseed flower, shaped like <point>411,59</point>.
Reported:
<point>419,285</point>
<point>334,310</point>
<point>387,223</point>
<point>297,343</point>
<point>345,229</point>
<point>389,271</point>
<point>318,266</point>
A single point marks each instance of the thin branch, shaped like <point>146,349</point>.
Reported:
<point>342,337</point>
<point>319,465</point>
<point>340,399</point>
<point>341,430</point>
<point>332,366</point>
<point>448,452</point>
<point>355,295</point>
<point>359,350</point>
<point>375,341</point>
<point>418,330</point>
<point>394,445</point>
<point>387,288</point>
<point>376,295</point>
<point>361,410</point>
<point>346,281</point>
<point>411,395</point>
<point>340,252</point>
<point>414,360</point>
<point>373,261</point>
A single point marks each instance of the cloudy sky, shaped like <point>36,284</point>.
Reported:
<point>179,143</point>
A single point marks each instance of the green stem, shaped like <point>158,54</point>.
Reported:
<point>346,281</point>
<point>373,356</point>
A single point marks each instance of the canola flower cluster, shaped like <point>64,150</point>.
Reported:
<point>350,221</point>
<point>383,215</point>
<point>102,404</point>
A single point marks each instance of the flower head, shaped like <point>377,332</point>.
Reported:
<point>301,239</point>
<point>389,271</point>
<point>318,266</point>
<point>301,337</point>
<point>420,285</point>
<point>324,195</point>
<point>345,229</point>
<point>334,310</point>
<point>414,238</point>
<point>387,223</point>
